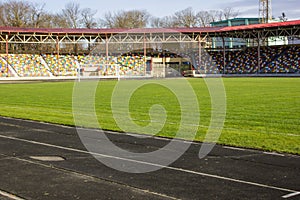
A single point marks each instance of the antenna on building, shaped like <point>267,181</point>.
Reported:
<point>265,11</point>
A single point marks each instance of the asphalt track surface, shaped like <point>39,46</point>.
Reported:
<point>226,173</point>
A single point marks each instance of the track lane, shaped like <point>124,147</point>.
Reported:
<point>191,174</point>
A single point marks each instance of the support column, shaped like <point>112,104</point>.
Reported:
<point>57,46</point>
<point>6,51</point>
<point>145,55</point>
<point>258,54</point>
<point>57,54</point>
<point>200,54</point>
<point>224,55</point>
<point>106,46</point>
<point>106,54</point>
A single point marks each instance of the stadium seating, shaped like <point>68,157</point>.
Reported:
<point>3,71</point>
<point>27,65</point>
<point>287,61</point>
<point>274,60</point>
<point>98,61</point>
<point>62,65</point>
<point>131,65</point>
<point>242,62</point>
<point>215,65</point>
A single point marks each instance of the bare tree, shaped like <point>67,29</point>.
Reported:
<point>182,18</point>
<point>203,18</point>
<point>16,13</point>
<point>22,13</point>
<point>126,19</point>
<point>185,18</point>
<point>71,13</point>
<point>207,17</point>
<point>138,18</point>
<point>189,18</point>
<point>38,16</point>
<point>88,19</point>
<point>108,20</point>
<point>156,22</point>
<point>215,15</point>
<point>164,22</point>
<point>168,22</point>
<point>229,13</point>
<point>2,21</point>
<point>57,21</point>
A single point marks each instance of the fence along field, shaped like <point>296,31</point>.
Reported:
<point>262,113</point>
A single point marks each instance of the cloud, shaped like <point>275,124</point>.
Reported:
<point>289,7</point>
<point>251,8</point>
<point>238,3</point>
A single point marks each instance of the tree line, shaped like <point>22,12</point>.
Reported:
<point>21,13</point>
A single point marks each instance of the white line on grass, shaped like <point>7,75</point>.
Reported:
<point>153,164</point>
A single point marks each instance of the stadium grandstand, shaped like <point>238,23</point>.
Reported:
<point>34,53</point>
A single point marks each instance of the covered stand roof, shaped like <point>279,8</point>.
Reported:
<point>289,28</point>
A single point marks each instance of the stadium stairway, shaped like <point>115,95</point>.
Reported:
<point>10,68</point>
<point>45,64</point>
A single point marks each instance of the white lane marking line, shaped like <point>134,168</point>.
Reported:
<point>291,195</point>
<point>153,164</point>
<point>93,178</point>
<point>10,196</point>
<point>48,158</point>
<point>274,154</point>
<point>37,122</point>
<point>136,135</point>
<point>234,148</point>
<point>72,126</point>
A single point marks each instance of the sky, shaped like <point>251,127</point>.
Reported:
<point>160,8</point>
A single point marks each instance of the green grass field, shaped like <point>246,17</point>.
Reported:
<point>262,113</point>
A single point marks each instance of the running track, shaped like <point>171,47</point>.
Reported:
<point>226,173</point>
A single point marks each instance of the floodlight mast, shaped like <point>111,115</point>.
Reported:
<point>265,11</point>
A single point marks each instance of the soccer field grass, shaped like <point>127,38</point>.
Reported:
<point>262,113</point>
